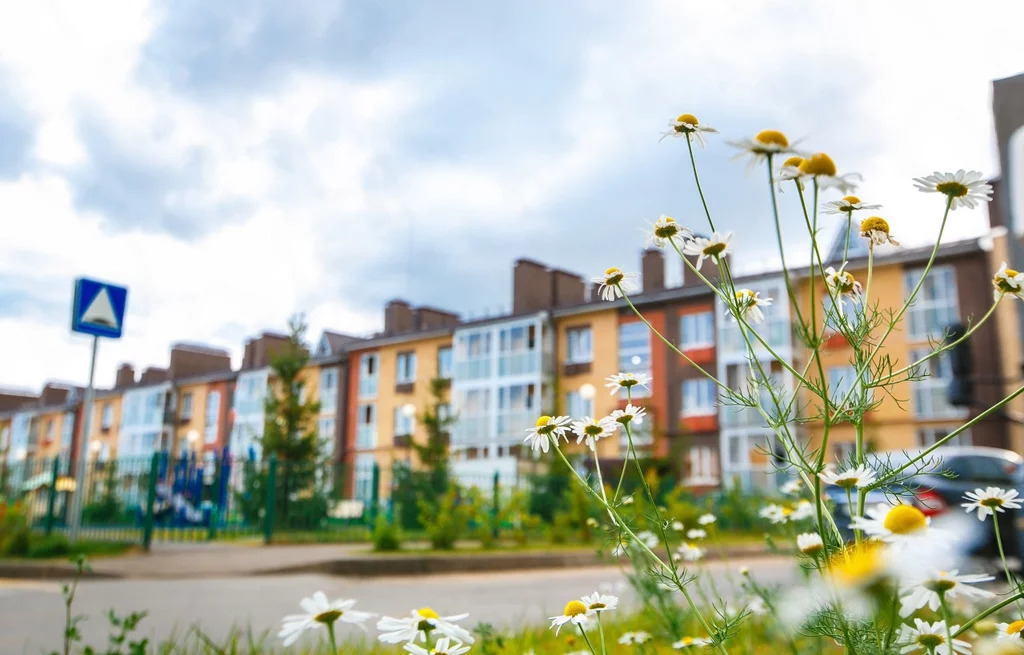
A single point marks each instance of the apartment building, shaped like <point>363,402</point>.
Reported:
<point>918,413</point>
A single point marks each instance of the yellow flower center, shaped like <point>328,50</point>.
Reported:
<point>847,482</point>
<point>818,164</point>
<point>1015,628</point>
<point>851,200</point>
<point>714,249</point>
<point>940,585</point>
<point>574,608</point>
<point>328,617</point>
<point>772,138</point>
<point>857,564</point>
<point>593,430</point>
<point>1001,281</point>
<point>542,421</point>
<point>613,276</point>
<point>666,227</point>
<point>687,641</point>
<point>992,502</point>
<point>952,189</point>
<point>428,613</point>
<point>905,519</point>
<point>930,641</point>
<point>597,606</point>
<point>793,162</point>
<point>1010,272</point>
<point>687,118</point>
<point>745,297</point>
<point>874,224</point>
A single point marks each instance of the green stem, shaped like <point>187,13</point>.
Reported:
<point>696,178</point>
<point>990,611</point>
<point>600,628</point>
<point>1010,581</point>
<point>330,636</point>
<point>846,244</point>
<point>871,268</point>
<point>586,638</point>
<point>946,619</point>
<point>782,250</point>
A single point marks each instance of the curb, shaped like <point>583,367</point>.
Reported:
<point>48,571</point>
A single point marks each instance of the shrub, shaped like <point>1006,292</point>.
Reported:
<point>386,535</point>
<point>447,520</point>
<point>14,530</point>
<point>54,545</point>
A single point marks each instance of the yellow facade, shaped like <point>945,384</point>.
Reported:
<point>189,430</point>
<point>604,329</point>
<point>105,424</point>
<point>891,425</point>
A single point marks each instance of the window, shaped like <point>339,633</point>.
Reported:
<point>405,368</point>
<point>697,330</point>
<point>106,416</point>
<point>701,466</point>
<point>699,397</point>
<point>474,424</point>
<point>635,353</point>
<point>212,425</point>
<point>928,436</point>
<point>48,434</point>
<point>852,311</point>
<point>929,394</point>
<point>366,426</point>
<point>186,405</point>
<point>473,355</point>
<point>517,352</point>
<point>580,347</point>
<point>841,379</point>
<point>643,437</point>
<point>67,429</point>
<point>405,421</point>
<point>363,482</point>
<point>328,390</point>
<point>444,362</point>
<point>515,408</point>
<point>325,431</point>
<point>368,375</point>
<point>936,306</point>
<point>576,405</point>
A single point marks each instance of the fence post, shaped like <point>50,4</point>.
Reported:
<point>211,530</point>
<point>51,496</point>
<point>375,493</point>
<point>147,526</point>
<point>495,500</point>
<point>268,510</point>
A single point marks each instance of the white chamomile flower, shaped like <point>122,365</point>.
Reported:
<point>691,642</point>
<point>689,552</point>
<point>546,429</point>
<point>598,602</point>
<point>592,430</point>
<point>696,534</point>
<point>859,477</point>
<point>632,638</point>
<point>667,231</point>
<point>714,247</point>
<point>647,538</point>
<point>821,167</point>
<point>630,414</point>
<point>847,205</point>
<point>963,188</point>
<point>764,145</point>
<point>757,606</point>
<point>804,510</point>
<point>1012,631</point>
<point>790,170</point>
<point>575,612</point>
<point>990,500</point>
<point>810,543</point>
<point>444,646</point>
<point>706,519</point>
<point>677,526</point>
<point>842,285</point>
<point>419,624</point>
<point>900,525</point>
<point>792,487</point>
<point>1008,281</point>
<point>876,230</point>
<point>615,284</point>
<point>931,638</point>
<point>621,381</point>
<point>924,589</point>
<point>687,125</point>
<point>749,304</point>
<point>775,513</point>
<point>320,612</point>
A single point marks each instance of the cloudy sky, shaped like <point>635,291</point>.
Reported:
<point>235,162</point>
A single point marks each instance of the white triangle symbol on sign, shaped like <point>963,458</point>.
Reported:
<point>100,311</point>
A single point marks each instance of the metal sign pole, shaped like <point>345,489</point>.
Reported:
<point>78,494</point>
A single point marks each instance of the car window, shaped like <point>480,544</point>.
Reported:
<point>979,468</point>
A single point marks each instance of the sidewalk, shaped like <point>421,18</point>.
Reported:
<point>226,560</point>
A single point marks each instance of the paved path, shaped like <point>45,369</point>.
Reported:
<point>30,612</point>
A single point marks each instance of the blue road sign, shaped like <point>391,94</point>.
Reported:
<point>99,308</point>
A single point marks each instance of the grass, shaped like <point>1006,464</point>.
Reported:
<point>57,546</point>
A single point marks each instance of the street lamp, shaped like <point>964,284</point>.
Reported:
<point>193,439</point>
<point>587,391</point>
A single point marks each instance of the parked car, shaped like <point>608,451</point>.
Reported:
<point>967,468</point>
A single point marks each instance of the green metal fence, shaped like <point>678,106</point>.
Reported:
<point>164,498</point>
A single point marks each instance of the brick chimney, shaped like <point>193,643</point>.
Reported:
<point>153,375</point>
<point>567,288</point>
<point>430,318</point>
<point>125,376</point>
<point>11,400</point>
<point>398,317</point>
<point>708,270</point>
<point>55,394</point>
<point>653,270</point>
<point>260,350</point>
<point>531,286</point>
<point>188,360</point>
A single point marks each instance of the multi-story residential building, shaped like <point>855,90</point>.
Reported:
<point>250,394</point>
<point>390,388</point>
<point>917,413</point>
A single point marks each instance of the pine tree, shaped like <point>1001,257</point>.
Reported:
<point>290,431</point>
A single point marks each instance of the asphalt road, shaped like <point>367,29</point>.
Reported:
<point>31,612</point>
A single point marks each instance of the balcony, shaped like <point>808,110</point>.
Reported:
<point>402,441</point>
<point>368,387</point>
<point>520,363</point>
<point>366,437</point>
<point>575,368</point>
